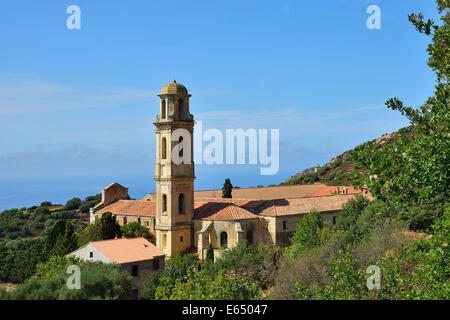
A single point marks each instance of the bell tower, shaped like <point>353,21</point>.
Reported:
<point>174,170</point>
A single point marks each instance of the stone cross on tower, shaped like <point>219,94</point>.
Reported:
<point>174,170</point>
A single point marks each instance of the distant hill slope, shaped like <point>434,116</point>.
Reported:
<point>36,221</point>
<point>339,169</point>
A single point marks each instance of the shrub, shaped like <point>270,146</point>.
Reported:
<point>98,281</point>
<point>42,211</point>
<point>134,230</point>
<point>308,234</point>
<point>73,204</point>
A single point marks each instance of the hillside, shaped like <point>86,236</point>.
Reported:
<point>36,221</point>
<point>339,169</point>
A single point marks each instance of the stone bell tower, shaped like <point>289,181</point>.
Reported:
<point>174,170</point>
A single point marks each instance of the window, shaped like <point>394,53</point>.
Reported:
<point>250,236</point>
<point>180,109</point>
<point>134,271</point>
<point>164,148</point>
<point>181,203</point>
<point>139,220</point>
<point>334,220</point>
<point>180,153</point>
<point>164,203</point>
<point>125,220</point>
<point>91,254</point>
<point>181,239</point>
<point>146,223</point>
<point>156,264</point>
<point>163,109</point>
<point>224,240</point>
<point>164,240</point>
<point>284,225</point>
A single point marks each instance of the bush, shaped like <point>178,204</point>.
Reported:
<point>13,235</point>
<point>84,207</point>
<point>63,215</point>
<point>42,211</point>
<point>73,204</point>
<point>98,281</point>
<point>255,264</point>
<point>46,204</point>
<point>308,234</point>
<point>134,230</point>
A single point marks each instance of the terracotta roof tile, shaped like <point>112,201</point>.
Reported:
<point>331,190</point>
<point>265,193</point>
<point>221,211</point>
<point>283,207</point>
<point>131,207</point>
<point>128,250</point>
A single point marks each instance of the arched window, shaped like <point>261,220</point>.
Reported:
<point>180,109</point>
<point>164,203</point>
<point>139,220</point>
<point>224,240</point>
<point>164,240</point>
<point>181,203</point>
<point>181,151</point>
<point>163,148</point>
<point>163,109</point>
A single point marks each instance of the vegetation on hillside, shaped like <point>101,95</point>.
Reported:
<point>36,221</point>
<point>342,169</point>
<point>400,238</point>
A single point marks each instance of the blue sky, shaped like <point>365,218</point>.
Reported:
<point>77,103</point>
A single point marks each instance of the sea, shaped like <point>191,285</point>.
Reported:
<point>29,191</point>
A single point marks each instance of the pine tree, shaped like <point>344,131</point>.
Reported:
<point>210,254</point>
<point>109,226</point>
<point>227,189</point>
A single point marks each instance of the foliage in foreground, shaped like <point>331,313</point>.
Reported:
<point>98,281</point>
<point>241,274</point>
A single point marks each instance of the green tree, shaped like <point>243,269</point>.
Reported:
<point>201,286</point>
<point>308,234</point>
<point>134,230</point>
<point>109,226</point>
<point>19,258</point>
<point>256,264</point>
<point>151,285</point>
<point>73,204</point>
<point>415,169</point>
<point>62,239</point>
<point>102,229</point>
<point>98,281</point>
<point>210,254</point>
<point>227,189</point>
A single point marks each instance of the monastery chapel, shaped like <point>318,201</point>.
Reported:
<point>184,220</point>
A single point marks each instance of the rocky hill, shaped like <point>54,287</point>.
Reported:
<point>339,169</point>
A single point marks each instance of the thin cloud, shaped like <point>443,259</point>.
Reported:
<point>20,96</point>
